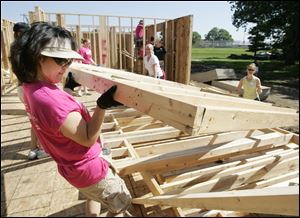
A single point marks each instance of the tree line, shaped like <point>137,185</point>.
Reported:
<point>215,34</point>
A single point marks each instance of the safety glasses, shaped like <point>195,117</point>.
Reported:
<point>63,62</point>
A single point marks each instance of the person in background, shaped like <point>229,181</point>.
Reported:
<point>86,53</point>
<point>159,51</point>
<point>139,33</point>
<point>36,151</point>
<point>250,84</point>
<point>68,133</point>
<point>151,41</point>
<point>151,63</point>
<point>257,72</point>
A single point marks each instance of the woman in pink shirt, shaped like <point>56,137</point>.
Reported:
<point>64,127</point>
<point>86,53</point>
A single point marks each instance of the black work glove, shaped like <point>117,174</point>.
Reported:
<point>106,100</point>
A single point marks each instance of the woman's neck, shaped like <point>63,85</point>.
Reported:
<point>249,76</point>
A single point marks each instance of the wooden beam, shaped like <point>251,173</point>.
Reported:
<point>188,113</point>
<point>237,177</point>
<point>215,74</point>
<point>196,156</point>
<point>217,175</point>
<point>280,200</point>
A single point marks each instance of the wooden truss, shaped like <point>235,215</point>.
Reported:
<point>283,200</point>
<point>181,170</point>
<point>184,107</point>
<point>167,155</point>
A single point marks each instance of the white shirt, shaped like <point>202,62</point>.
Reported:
<point>149,66</point>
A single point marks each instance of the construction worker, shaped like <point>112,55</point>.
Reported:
<point>139,33</point>
<point>68,133</point>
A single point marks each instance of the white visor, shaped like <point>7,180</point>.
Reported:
<point>60,48</point>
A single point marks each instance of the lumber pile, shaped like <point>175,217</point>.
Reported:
<point>184,152</point>
<point>171,173</point>
<point>184,107</point>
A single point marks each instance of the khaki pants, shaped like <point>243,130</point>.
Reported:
<point>111,192</point>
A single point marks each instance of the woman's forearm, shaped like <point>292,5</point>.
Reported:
<point>94,125</point>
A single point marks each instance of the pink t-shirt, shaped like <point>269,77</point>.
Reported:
<point>139,31</point>
<point>86,53</point>
<point>48,107</point>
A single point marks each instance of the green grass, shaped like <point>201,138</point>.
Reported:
<point>217,53</point>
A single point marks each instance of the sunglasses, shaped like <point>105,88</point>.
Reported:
<point>63,62</point>
<point>250,70</point>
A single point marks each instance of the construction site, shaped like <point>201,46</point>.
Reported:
<point>184,148</point>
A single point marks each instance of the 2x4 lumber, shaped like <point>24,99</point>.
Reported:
<point>141,136</point>
<point>116,16</point>
<point>233,178</point>
<point>281,200</point>
<point>226,170</point>
<point>189,117</point>
<point>215,74</point>
<point>184,28</point>
<point>179,176</point>
<point>132,43</point>
<point>271,181</point>
<point>212,89</point>
<point>156,190</point>
<point>196,156</point>
<point>190,143</point>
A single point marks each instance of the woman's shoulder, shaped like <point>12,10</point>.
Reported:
<point>256,78</point>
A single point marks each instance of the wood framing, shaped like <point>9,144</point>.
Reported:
<point>172,165</point>
<point>188,110</point>
<point>283,200</point>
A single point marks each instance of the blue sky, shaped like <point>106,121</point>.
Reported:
<point>206,14</point>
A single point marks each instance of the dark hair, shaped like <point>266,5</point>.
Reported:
<point>25,52</point>
<point>19,28</point>
<point>84,40</point>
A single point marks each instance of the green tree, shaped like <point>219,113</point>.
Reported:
<point>256,40</point>
<point>276,21</point>
<point>196,38</point>
<point>218,34</point>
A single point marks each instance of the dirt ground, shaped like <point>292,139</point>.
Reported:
<point>282,96</point>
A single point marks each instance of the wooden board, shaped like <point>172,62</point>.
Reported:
<point>216,74</point>
<point>183,107</point>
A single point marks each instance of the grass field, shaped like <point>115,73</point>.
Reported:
<point>217,53</point>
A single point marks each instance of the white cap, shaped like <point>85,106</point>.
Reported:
<point>60,48</point>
